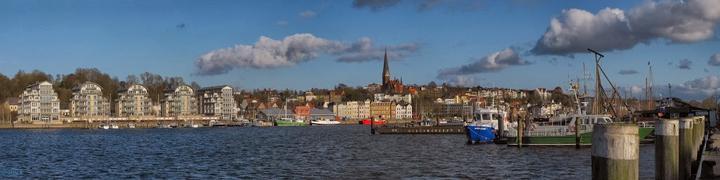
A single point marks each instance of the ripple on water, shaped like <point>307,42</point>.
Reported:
<point>281,152</point>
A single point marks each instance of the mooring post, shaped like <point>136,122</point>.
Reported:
<point>520,129</point>
<point>686,150</point>
<point>577,133</point>
<point>615,151</point>
<point>666,149</point>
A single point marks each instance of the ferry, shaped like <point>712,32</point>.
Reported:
<point>484,126</point>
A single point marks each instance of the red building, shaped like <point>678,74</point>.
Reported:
<point>302,112</point>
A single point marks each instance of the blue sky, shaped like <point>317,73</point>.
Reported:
<point>170,38</point>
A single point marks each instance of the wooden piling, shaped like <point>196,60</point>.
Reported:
<point>615,151</point>
<point>666,149</point>
<point>686,147</point>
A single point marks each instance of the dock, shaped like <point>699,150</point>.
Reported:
<point>421,130</point>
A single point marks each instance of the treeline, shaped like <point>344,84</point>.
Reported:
<point>64,83</point>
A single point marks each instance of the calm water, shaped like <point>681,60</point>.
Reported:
<point>280,152</point>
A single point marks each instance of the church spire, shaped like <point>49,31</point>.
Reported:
<point>386,70</point>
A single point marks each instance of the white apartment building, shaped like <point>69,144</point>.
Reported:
<point>133,101</point>
<point>39,103</point>
<point>88,101</point>
<point>179,101</point>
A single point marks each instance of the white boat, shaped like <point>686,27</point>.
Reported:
<point>114,126</point>
<point>131,125</point>
<point>104,126</point>
<point>195,126</point>
<point>324,122</point>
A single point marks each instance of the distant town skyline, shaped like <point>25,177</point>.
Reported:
<point>318,44</point>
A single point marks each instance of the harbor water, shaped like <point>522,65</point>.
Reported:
<point>281,152</point>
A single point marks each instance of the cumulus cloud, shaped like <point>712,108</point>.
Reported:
<point>696,89</point>
<point>463,80</point>
<point>269,53</point>
<point>491,63</point>
<point>714,60</point>
<point>374,5</point>
<point>613,29</point>
<point>684,64</point>
<point>308,14</point>
<point>628,72</point>
<point>699,88</point>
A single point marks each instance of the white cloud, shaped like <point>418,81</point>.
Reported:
<point>308,14</point>
<point>714,60</point>
<point>684,64</point>
<point>269,53</point>
<point>491,63</point>
<point>613,29</point>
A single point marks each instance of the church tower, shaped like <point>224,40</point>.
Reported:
<point>386,71</point>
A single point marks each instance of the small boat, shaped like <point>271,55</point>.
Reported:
<point>104,126</point>
<point>484,125</point>
<point>131,125</point>
<point>114,126</point>
<point>195,126</point>
<point>324,122</point>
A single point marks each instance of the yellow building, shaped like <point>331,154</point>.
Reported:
<point>382,109</point>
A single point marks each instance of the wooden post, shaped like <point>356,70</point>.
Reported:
<point>615,151</point>
<point>666,149</point>
<point>577,133</point>
<point>520,129</point>
<point>686,142</point>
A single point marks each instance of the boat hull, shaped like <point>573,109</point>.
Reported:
<point>568,140</point>
<point>479,134</point>
<point>289,123</point>
<point>377,122</point>
<point>325,123</point>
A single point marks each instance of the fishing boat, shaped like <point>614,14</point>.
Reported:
<point>573,129</point>
<point>289,122</point>
<point>484,127</point>
<point>324,122</point>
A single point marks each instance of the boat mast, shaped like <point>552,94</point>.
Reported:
<point>598,101</point>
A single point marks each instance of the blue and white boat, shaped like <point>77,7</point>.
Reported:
<point>483,128</point>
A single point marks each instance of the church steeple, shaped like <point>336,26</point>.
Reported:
<point>386,70</point>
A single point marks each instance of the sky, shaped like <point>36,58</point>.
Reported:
<point>319,44</point>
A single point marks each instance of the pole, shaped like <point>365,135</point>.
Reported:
<point>615,151</point>
<point>577,133</point>
<point>685,149</point>
<point>666,149</point>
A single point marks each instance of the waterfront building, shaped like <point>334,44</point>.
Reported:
<point>39,103</point>
<point>453,110</point>
<point>364,109</point>
<point>133,101</point>
<point>88,101</point>
<point>317,114</point>
<point>302,112</point>
<point>348,110</point>
<point>394,97</point>
<point>179,101</point>
<point>13,103</point>
<point>403,110</point>
<point>382,109</point>
<point>217,101</point>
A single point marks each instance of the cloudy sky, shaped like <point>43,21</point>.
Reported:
<point>304,44</point>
